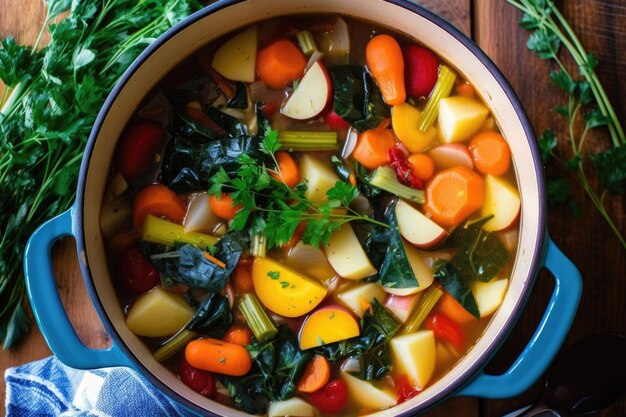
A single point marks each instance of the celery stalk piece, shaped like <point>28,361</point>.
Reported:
<point>175,344</point>
<point>306,42</point>
<point>307,141</point>
<point>258,245</point>
<point>161,231</point>
<point>384,177</point>
<point>422,309</point>
<point>442,89</point>
<point>261,325</point>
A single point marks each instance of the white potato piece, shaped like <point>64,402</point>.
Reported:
<point>236,58</point>
<point>423,273</point>
<point>359,297</point>
<point>310,261</point>
<point>346,255</point>
<point>417,229</point>
<point>199,216</point>
<point>489,295</point>
<point>502,200</point>
<point>414,354</point>
<point>369,396</point>
<point>158,313</point>
<point>401,306</point>
<point>319,178</point>
<point>460,117</point>
<point>115,216</point>
<point>295,406</point>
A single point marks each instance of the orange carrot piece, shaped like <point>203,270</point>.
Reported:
<point>214,260</point>
<point>315,375</point>
<point>352,179</point>
<point>289,171</point>
<point>279,63</point>
<point>224,206</point>
<point>491,153</point>
<point>385,123</point>
<point>242,280</point>
<point>449,306</point>
<point>453,195</point>
<point>423,166</point>
<point>384,59</point>
<point>218,356</point>
<point>465,89</point>
<point>160,201</point>
<point>373,146</point>
<point>238,335</point>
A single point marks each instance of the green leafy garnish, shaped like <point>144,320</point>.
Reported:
<point>587,102</point>
<point>273,274</point>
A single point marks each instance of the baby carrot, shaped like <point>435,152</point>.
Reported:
<point>224,206</point>
<point>465,89</point>
<point>491,153</point>
<point>242,280</point>
<point>289,172</point>
<point>373,146</point>
<point>453,195</point>
<point>449,306</point>
<point>384,59</point>
<point>315,375</point>
<point>239,335</point>
<point>160,201</point>
<point>218,356</point>
<point>423,166</point>
<point>279,63</point>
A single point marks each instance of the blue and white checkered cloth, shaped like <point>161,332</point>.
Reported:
<point>49,388</point>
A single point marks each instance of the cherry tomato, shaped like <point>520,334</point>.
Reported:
<point>331,398</point>
<point>269,109</point>
<point>445,328</point>
<point>421,70</point>
<point>404,388</point>
<point>137,148</point>
<point>334,121</point>
<point>197,379</point>
<point>135,274</point>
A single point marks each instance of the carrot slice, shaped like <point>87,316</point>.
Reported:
<point>218,356</point>
<point>279,63</point>
<point>453,195</point>
<point>465,89</point>
<point>214,260</point>
<point>238,335</point>
<point>491,153</point>
<point>423,166</point>
<point>289,172</point>
<point>242,280</point>
<point>373,146</point>
<point>160,201</point>
<point>224,206</point>
<point>384,59</point>
<point>449,306</point>
<point>315,375</point>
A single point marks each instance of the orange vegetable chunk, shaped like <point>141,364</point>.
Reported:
<point>160,201</point>
<point>279,63</point>
<point>491,153</point>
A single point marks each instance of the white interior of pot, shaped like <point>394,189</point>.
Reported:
<point>240,15</point>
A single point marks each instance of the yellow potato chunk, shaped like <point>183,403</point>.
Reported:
<point>158,313</point>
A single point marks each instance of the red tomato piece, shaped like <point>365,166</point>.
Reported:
<point>445,328</point>
<point>331,398</point>
<point>334,121</point>
<point>135,274</point>
<point>404,388</point>
<point>197,379</point>
<point>268,109</point>
<point>136,150</point>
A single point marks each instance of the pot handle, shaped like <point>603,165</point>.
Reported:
<point>546,340</point>
<point>46,303</point>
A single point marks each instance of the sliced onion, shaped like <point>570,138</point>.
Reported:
<point>351,365</point>
<point>341,36</point>
<point>315,56</point>
<point>230,294</point>
<point>199,216</point>
<point>350,143</point>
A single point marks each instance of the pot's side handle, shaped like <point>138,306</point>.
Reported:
<point>46,303</point>
<point>546,340</point>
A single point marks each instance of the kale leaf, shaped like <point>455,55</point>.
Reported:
<point>213,316</point>
<point>240,99</point>
<point>449,276</point>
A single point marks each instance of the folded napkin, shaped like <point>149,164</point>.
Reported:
<point>49,388</point>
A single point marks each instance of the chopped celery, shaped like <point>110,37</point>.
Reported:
<point>258,245</point>
<point>422,309</point>
<point>384,177</point>
<point>175,344</point>
<point>157,230</point>
<point>306,42</point>
<point>258,320</point>
<point>308,141</point>
<point>442,89</point>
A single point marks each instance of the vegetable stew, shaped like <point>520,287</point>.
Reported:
<point>313,215</point>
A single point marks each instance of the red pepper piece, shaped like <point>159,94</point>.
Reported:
<point>404,170</point>
<point>445,329</point>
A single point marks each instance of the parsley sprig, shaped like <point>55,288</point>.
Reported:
<point>48,104</point>
<point>272,208</point>
<point>587,100</point>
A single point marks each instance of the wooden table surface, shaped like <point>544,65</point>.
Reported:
<point>586,240</point>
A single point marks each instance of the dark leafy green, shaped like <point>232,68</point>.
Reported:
<point>213,316</point>
<point>362,174</point>
<point>342,171</point>
<point>240,99</point>
<point>242,391</point>
<point>357,99</point>
<point>233,126</point>
<point>449,276</point>
<point>371,347</point>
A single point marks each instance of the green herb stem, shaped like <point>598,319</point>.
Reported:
<point>384,177</point>
<point>174,345</point>
<point>308,141</point>
<point>422,308</point>
<point>258,245</point>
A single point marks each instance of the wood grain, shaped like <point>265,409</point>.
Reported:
<point>586,240</point>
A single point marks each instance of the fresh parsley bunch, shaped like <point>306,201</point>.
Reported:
<point>47,108</point>
<point>587,100</point>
